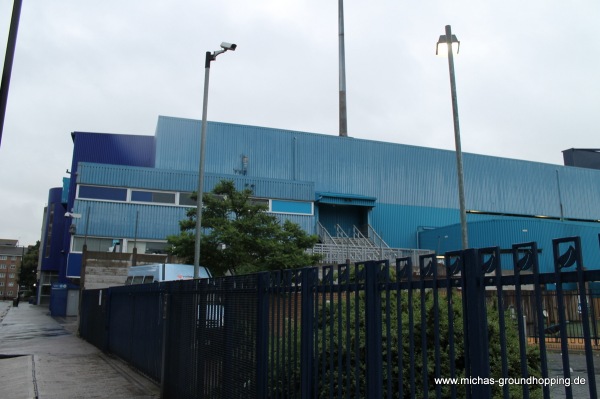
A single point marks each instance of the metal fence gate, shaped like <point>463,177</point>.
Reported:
<point>461,326</point>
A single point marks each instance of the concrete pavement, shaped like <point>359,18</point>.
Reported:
<point>41,357</point>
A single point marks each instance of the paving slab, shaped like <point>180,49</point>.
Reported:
<point>53,362</point>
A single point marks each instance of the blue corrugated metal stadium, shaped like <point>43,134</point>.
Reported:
<point>130,188</point>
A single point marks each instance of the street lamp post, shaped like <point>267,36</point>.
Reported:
<point>209,58</point>
<point>450,40</point>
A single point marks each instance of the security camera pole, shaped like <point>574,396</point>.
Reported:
<point>209,58</point>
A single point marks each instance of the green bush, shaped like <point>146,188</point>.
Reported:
<point>332,379</point>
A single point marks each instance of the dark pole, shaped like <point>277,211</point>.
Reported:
<point>209,58</point>
<point>8,61</point>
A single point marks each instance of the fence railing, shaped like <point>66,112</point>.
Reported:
<point>459,328</point>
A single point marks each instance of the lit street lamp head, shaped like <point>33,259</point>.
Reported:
<point>443,40</point>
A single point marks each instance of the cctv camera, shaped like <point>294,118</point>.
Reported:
<point>228,46</point>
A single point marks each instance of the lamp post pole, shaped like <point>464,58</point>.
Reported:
<point>449,39</point>
<point>8,61</point>
<point>209,58</point>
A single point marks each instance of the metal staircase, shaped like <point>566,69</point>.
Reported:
<point>359,247</point>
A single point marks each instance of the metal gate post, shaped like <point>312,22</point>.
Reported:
<point>373,333</point>
<point>476,336</point>
<point>262,334</point>
<point>309,281</point>
<point>165,318</point>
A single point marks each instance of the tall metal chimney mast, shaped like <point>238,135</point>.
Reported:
<point>342,57</point>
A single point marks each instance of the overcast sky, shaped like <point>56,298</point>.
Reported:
<point>527,77</point>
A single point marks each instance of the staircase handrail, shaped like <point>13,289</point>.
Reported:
<point>376,238</point>
<point>359,235</point>
<point>324,234</point>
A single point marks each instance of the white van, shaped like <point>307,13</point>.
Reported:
<point>158,272</point>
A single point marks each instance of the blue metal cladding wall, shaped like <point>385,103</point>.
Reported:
<point>177,143</point>
<point>155,222</point>
<point>307,223</point>
<point>399,225</point>
<point>504,233</point>
<point>116,149</point>
<point>177,180</point>
<point>393,173</point>
<point>114,219</point>
<point>52,261</point>
<point>130,176</point>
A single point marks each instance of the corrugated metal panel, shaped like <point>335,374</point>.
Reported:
<point>179,137</point>
<point>264,187</point>
<point>114,219</point>
<point>398,225</point>
<point>393,173</point>
<point>580,192</point>
<point>306,222</point>
<point>340,199</point>
<point>414,186</point>
<point>177,180</point>
<point>130,176</point>
<point>508,231</point>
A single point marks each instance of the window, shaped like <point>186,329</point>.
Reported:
<point>153,197</point>
<point>185,199</point>
<point>260,201</point>
<point>93,244</point>
<point>103,193</point>
<point>148,279</point>
<point>11,275</point>
<point>3,266</point>
<point>138,280</point>
<point>1,283</point>
<point>11,284</point>
<point>9,293</point>
<point>3,257</point>
<point>13,266</point>
<point>155,248</point>
<point>2,275</point>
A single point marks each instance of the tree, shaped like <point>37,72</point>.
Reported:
<point>29,264</point>
<point>240,236</point>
